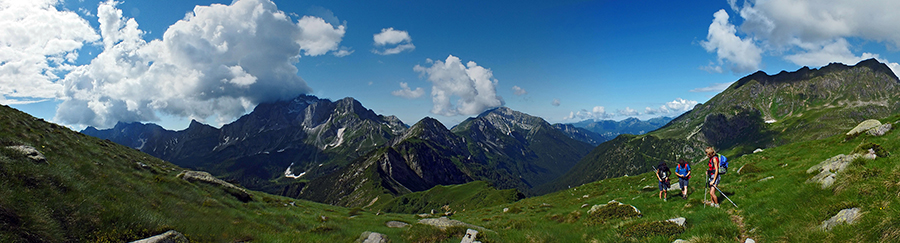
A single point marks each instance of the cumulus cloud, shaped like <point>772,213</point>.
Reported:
<point>408,93</point>
<point>38,43</point>
<point>628,112</point>
<point>676,106</point>
<point>742,54</point>
<point>715,87</point>
<point>391,41</point>
<point>519,90</point>
<point>474,86</point>
<point>555,102</point>
<point>807,33</point>
<point>219,61</point>
<point>596,113</point>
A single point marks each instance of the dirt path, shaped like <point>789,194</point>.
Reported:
<point>739,221</point>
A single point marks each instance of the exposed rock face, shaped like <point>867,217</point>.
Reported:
<point>864,126</point>
<point>679,221</point>
<point>372,237</point>
<point>828,169</point>
<point>205,177</point>
<point>170,236</point>
<point>846,216</point>
<point>30,152</point>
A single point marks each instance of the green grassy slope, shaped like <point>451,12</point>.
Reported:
<point>472,195</point>
<point>783,208</point>
<point>92,190</point>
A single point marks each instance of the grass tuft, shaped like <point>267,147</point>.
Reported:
<point>647,229</point>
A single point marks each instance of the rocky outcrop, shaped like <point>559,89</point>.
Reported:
<point>828,169</point>
<point>201,176</point>
<point>880,130</point>
<point>30,152</point>
<point>444,223</point>
<point>846,216</point>
<point>679,221</point>
<point>170,236</point>
<point>396,224</point>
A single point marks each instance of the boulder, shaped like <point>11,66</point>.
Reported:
<point>879,130</point>
<point>396,224</point>
<point>202,176</point>
<point>372,237</point>
<point>846,216</point>
<point>597,207</point>
<point>864,126</point>
<point>170,236</point>
<point>680,241</point>
<point>679,221</point>
<point>749,241</point>
<point>30,152</point>
<point>757,150</point>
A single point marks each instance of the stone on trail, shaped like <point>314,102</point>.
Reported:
<point>846,216</point>
<point>170,236</point>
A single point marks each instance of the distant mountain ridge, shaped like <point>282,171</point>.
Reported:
<point>305,135</point>
<point>506,148</point>
<point>757,111</point>
<point>596,132</point>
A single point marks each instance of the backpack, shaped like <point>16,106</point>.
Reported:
<point>663,172</point>
<point>723,164</point>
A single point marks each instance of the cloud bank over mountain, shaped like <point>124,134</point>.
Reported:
<point>219,61</point>
<point>474,87</point>
<point>806,33</point>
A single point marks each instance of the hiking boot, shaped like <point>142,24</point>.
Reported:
<point>716,205</point>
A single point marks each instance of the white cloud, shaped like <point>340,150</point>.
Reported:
<point>596,113</point>
<point>742,54</point>
<point>716,87</point>
<point>391,41</point>
<point>555,102</point>
<point>676,107</point>
<point>474,85</point>
<point>342,52</point>
<point>808,33</point>
<point>219,61</point>
<point>37,44</point>
<point>518,90</point>
<point>408,93</point>
<point>628,112</point>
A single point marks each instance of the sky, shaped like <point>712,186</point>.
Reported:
<point>95,63</point>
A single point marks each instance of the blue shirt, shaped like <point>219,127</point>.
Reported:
<point>682,170</point>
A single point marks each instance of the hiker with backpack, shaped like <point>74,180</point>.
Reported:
<point>717,166</point>
<point>662,174</point>
<point>683,171</point>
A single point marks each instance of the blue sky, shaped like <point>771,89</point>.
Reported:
<point>564,61</point>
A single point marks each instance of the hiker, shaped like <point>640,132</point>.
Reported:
<point>712,174</point>
<point>683,171</point>
<point>662,174</point>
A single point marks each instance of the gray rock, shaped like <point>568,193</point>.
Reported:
<point>170,236</point>
<point>864,126</point>
<point>193,176</point>
<point>680,241</point>
<point>767,178</point>
<point>679,221</point>
<point>757,150</point>
<point>372,237</point>
<point>846,216</point>
<point>470,236</point>
<point>597,207</point>
<point>444,223</point>
<point>674,186</point>
<point>396,224</point>
<point>828,169</point>
<point>505,210</point>
<point>749,241</point>
<point>879,130</point>
<point>30,152</point>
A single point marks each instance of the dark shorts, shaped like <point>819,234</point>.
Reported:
<point>683,182</point>
<point>663,186</point>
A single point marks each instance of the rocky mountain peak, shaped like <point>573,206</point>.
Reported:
<point>806,73</point>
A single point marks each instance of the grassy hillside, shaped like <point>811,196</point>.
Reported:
<point>472,195</point>
<point>775,202</point>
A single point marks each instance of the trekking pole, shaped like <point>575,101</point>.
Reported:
<point>705,188</point>
<point>726,197</point>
